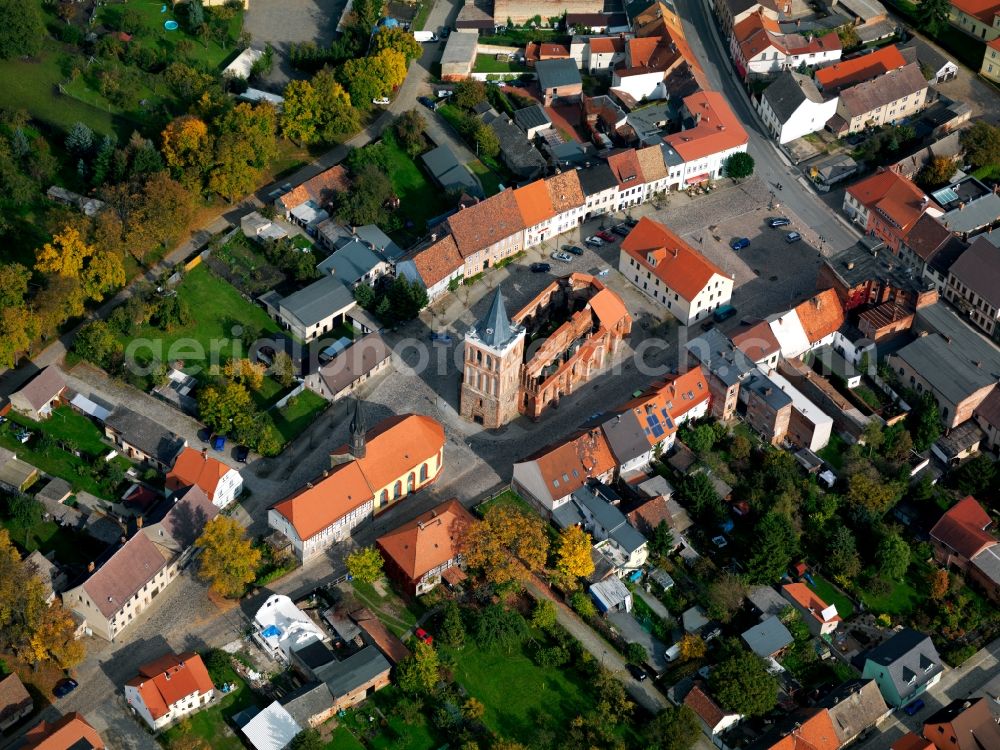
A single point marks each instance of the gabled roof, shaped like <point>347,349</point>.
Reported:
<point>359,359</point>
<point>682,268</point>
<point>790,91</point>
<point>893,196</point>
<point>557,73</point>
<point>979,269</point>
<point>42,388</point>
<point>130,568</point>
<point>815,733</point>
<point>989,409</point>
<point>984,10</point>
<point>625,167</point>
<point>912,741</point>
<point>196,468</point>
<point>386,641</point>
<point>963,528</point>
<point>169,679</point>
<point>806,598</point>
<point>350,261</point>
<point>320,189</point>
<point>720,357</point>
<point>862,68</point>
<point>661,407</point>
<point>767,637</point>
<point>969,722</point>
<point>757,342</point>
<point>603,45</point>
<point>427,541</point>
<point>437,261</point>
<point>14,697</point>
<point>357,670</point>
<point>596,179</point>
<point>927,237</point>
<point>145,434</point>
<point>855,707</point>
<point>534,203</point>
<point>486,223</point>
<point>319,300</point>
<point>717,130</point>
<point>564,468</point>
<point>699,701</point>
<point>71,732</point>
<point>534,116</point>
<point>565,191</point>
<point>887,88</point>
<point>821,315</point>
<point>651,163</point>
<point>910,659</point>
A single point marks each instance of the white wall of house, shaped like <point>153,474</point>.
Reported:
<point>228,489</point>
<point>601,203</point>
<point>641,85</point>
<point>338,531</point>
<point>717,292</point>
<point>809,117</point>
<point>189,704</point>
<point>974,26</point>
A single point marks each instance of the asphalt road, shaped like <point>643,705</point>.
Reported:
<point>703,36</point>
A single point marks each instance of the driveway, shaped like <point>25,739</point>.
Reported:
<point>633,632</point>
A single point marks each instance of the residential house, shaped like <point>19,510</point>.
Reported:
<point>935,66</point>
<point>375,633</point>
<point>536,211</point>
<point>970,207</point>
<point>600,188</point>
<point>611,595</point>
<point>654,504</point>
<point>537,51</point>
<point>221,483</point>
<point>599,55</point>
<point>281,629</point>
<point>567,199</point>
<point>977,18</point>
<point>653,169</point>
<point>888,99</point>
<point>961,541</point>
<point>418,553</point>
<point>821,618</point>
<point>169,688</point>
<point>713,718</point>
<point>532,120</point>
<point>911,741</point>
<point>887,205</point>
<point>272,728</point>
<point>434,265</point>
<point>559,81</point>
<point>767,408</point>
<point>946,147</point>
<point>673,273</point>
<point>52,577</point>
<point>931,249</point>
<point>767,638</point>
<point>314,310</point>
<point>380,467</point>
<point>549,477</point>
<point>15,702</point>
<point>71,732</point>
<point>815,733</point>
<point>15,475</point>
<point>625,167</point>
<point>987,416</point>
<point>449,173</point>
<point>904,667</point>
<point>710,134</point>
<point>516,152</point>
<point>957,365</point>
<point>726,365</point>
<point>593,507</point>
<point>964,724</point>
<point>760,49</point>
<point>808,426</point>
<point>732,12</point>
<point>122,588</point>
<point>141,439</point>
<point>307,204</point>
<point>359,255</point>
<point>598,23</point>
<point>834,78</point>
<point>36,398</point>
<point>766,602</point>
<point>759,346</point>
<point>648,61</point>
<point>990,67</point>
<point>459,54</point>
<point>792,107</point>
<point>974,285</point>
<point>356,364</point>
<point>489,231</point>
<point>256,227</point>
<point>855,707</point>
<point>351,680</point>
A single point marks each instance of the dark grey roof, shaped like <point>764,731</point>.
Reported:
<point>315,654</point>
<point>520,156</point>
<point>448,172</point>
<point>531,117</point>
<point>974,215</point>
<point>350,262</point>
<point>625,436</point>
<point>945,258</point>
<point>908,655</point>
<point>145,434</point>
<point>378,239</point>
<point>963,438</point>
<point>495,329</point>
<point>757,382</point>
<point>318,300</point>
<point>788,92</point>
<point>868,260</point>
<point>345,676</point>
<point>767,637</point>
<point>556,73</point>
<point>308,701</point>
<point>571,153</point>
<point>767,600</point>
<point>597,179</point>
<point>720,357</point>
<point>927,55</point>
<point>612,519</point>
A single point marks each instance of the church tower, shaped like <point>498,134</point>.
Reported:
<point>358,429</point>
<point>493,356</point>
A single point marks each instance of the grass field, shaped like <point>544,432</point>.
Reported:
<point>490,64</point>
<point>210,725</point>
<point>68,426</point>
<point>215,307</point>
<point>833,452</point>
<point>48,536</point>
<point>487,177</point>
<point>343,739</point>
<point>419,200</point>
<point>299,414</point>
<point>507,497</point>
<point>825,590</point>
<point>398,735</point>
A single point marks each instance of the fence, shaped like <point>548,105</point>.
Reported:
<point>280,404</point>
<point>498,49</point>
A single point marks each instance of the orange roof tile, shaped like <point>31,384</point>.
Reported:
<point>911,741</point>
<point>702,704</point>
<point>429,540</point>
<point>320,189</point>
<point>315,506</point>
<point>678,265</point>
<point>815,733</point>
<point>170,679</point>
<point>894,197</point>
<point>677,395</point>
<point>718,129</point>
<point>821,315</point>
<point>651,163</point>
<point>534,203</point>
<point>565,191</point>
<point>494,219</point>
<point>545,51</point>
<point>606,44</point>
<point>984,10</point>
<point>194,468</point>
<point>625,167</point>
<point>756,33</point>
<point>806,598</point>
<point>396,446</point>
<point>567,466</point>
<point>62,735</point>
<point>437,261</point>
<point>963,528</point>
<point>858,69</point>
<point>607,306</point>
<point>757,342</point>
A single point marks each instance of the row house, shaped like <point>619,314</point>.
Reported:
<point>887,205</point>
<point>847,73</point>
<point>598,55</point>
<point>931,249</point>
<point>624,166</point>
<point>759,48</point>
<point>792,107</point>
<point>885,100</point>
<point>711,134</point>
<point>732,12</point>
<point>550,207</point>
<point>974,286</point>
<point>487,232</point>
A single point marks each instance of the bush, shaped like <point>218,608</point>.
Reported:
<point>219,666</point>
<point>583,605</point>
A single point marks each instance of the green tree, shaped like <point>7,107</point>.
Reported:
<point>739,447</point>
<point>662,540</point>
<point>583,605</point>
<point>335,115</point>
<point>418,673</point>
<point>871,494</point>
<point>283,369</point>
<point>938,171</point>
<point>219,406</point>
<point>364,295</point>
<point>245,145</point>
<point>544,615</point>
<point>80,139</point>
<point>674,728</point>
<point>636,653</point>
<point>467,94</point>
<point>702,498</point>
<point>363,79</point>
<point>932,15</point>
<point>924,420</point>
<point>195,15</point>
<point>701,439</point>
<point>97,343</point>
<point>14,280</point>
<point>364,203</point>
<point>409,131</point>
<point>776,544</point>
<point>486,140</point>
<point>842,554</point>
<point>22,29</point>
<point>452,631</point>
<point>981,142</point>
<point>739,166</point>
<point>365,564</point>
<point>299,112</point>
<point>743,684</point>
<point>892,556</point>
<point>975,476</point>
<point>725,597</point>
<point>25,511</point>
<point>406,298</point>
<point>500,628</point>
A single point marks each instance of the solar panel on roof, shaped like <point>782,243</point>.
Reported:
<point>650,420</point>
<point>657,430</point>
<point>670,423</point>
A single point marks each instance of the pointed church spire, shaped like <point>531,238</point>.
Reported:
<point>358,429</point>
<point>495,329</point>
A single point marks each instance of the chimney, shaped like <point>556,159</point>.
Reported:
<point>90,567</point>
<point>697,117</point>
<point>204,454</point>
<point>434,236</point>
<point>961,206</point>
<point>138,522</point>
<point>850,266</point>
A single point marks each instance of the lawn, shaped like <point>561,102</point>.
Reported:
<point>826,591</point>
<point>210,725</point>
<point>419,200</point>
<point>398,615</point>
<point>420,20</point>
<point>490,64</point>
<point>833,452</point>
<point>298,414</point>
<point>215,308</point>
<point>520,37</point>
<point>507,497</point>
<point>47,536</point>
<point>521,698</point>
<point>398,735</point>
<point>901,599</point>
<point>343,739</point>
<point>68,426</point>
<point>487,178</point>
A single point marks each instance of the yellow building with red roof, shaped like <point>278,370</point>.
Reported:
<point>169,688</point>
<point>193,468</point>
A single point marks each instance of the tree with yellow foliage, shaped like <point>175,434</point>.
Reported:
<point>65,255</point>
<point>691,647</point>
<point>228,560</point>
<point>506,545</point>
<point>245,372</point>
<point>573,558</point>
<point>187,149</point>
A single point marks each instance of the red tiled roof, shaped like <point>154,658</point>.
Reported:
<point>64,734</point>
<point>494,219</point>
<point>427,541</point>
<point>677,395</point>
<point>911,741</point>
<point>858,69</point>
<point>821,315</point>
<point>702,704</point>
<point>196,468</point>
<point>796,44</point>
<point>319,189</point>
<point>678,265</point>
<point>757,342</point>
<point>962,528</point>
<point>565,191</point>
<point>567,466</point>
<point>437,261</point>
<point>984,10</point>
<point>995,44</point>
<point>757,33</point>
<point>625,167</point>
<point>14,697</point>
<point>534,203</point>
<point>606,44</point>
<point>545,51</point>
<point>718,129</point>
<point>893,196</point>
<point>815,733</point>
<point>607,306</point>
<point>170,679</point>
<point>806,598</point>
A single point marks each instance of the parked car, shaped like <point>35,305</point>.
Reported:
<point>219,442</point>
<point>540,267</point>
<point>630,222</point>
<point>621,230</point>
<point>564,257</point>
<point>382,100</point>
<point>778,221</point>
<point>242,453</point>
<point>792,237</point>
<point>594,241</point>
<point>740,244</point>
<point>64,687</point>
<point>427,102</point>
<point>440,338</point>
<point>606,236</point>
<point>723,313</point>
<point>205,435</point>
<point>424,636</point>
<point>913,707</point>
<point>637,672</point>
<point>575,249</point>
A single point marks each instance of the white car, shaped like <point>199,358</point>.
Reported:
<point>594,241</point>
<point>382,100</point>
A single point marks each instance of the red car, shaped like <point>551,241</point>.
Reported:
<point>606,236</point>
<point>424,636</point>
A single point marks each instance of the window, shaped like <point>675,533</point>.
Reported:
<point>423,472</point>
<point>397,490</point>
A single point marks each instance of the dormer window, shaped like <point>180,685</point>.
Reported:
<point>651,259</point>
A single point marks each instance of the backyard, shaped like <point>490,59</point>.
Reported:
<point>832,595</point>
<point>210,725</point>
<point>398,615</point>
<point>394,734</point>
<point>507,497</point>
<point>490,64</point>
<point>418,199</point>
<point>300,412</point>
<point>71,548</point>
<point>69,427</point>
